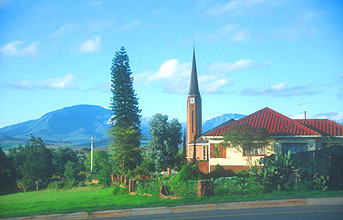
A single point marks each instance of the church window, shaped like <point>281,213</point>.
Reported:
<point>192,121</point>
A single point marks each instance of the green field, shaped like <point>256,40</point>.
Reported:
<point>88,199</point>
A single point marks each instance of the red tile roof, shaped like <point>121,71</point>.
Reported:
<point>277,124</point>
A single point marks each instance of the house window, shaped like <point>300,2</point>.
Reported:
<point>293,147</point>
<point>257,149</point>
<point>204,152</point>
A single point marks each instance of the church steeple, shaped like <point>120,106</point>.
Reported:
<point>194,88</point>
<point>194,114</point>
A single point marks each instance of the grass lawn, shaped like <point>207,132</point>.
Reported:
<point>88,199</point>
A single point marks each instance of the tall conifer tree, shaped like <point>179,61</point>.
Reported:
<point>126,115</point>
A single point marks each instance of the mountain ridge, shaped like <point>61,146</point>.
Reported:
<point>74,125</point>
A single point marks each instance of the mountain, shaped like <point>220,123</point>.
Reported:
<point>213,122</point>
<point>73,126</point>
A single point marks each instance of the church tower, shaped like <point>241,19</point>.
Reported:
<point>194,118</point>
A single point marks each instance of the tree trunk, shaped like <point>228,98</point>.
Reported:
<point>195,150</point>
<point>37,185</point>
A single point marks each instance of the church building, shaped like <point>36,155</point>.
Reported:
<point>288,134</point>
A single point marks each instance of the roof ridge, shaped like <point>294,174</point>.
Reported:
<point>300,125</point>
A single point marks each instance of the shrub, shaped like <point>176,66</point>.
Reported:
<point>152,187</point>
<point>219,171</point>
<point>188,172</point>
<point>81,184</point>
<point>236,186</point>
<point>276,173</point>
<point>187,188</point>
<point>56,185</point>
<point>117,190</point>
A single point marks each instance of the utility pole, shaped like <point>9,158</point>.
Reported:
<point>92,140</point>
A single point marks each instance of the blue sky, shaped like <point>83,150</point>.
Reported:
<point>250,54</point>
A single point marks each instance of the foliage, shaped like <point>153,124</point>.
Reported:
<point>188,172</point>
<point>236,186</point>
<point>276,172</point>
<point>117,190</point>
<point>247,140</point>
<point>60,158</point>
<point>56,185</point>
<point>37,166</point>
<point>125,122</point>
<point>165,137</point>
<point>125,149</point>
<point>217,172</point>
<point>151,187</point>
<point>145,168</point>
<point>310,179</point>
<point>71,173</point>
<point>102,168</point>
<point>7,173</point>
<point>184,188</point>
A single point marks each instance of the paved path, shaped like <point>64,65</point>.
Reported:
<point>330,201</point>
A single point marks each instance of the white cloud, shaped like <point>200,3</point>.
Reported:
<point>91,45</point>
<point>294,32</point>
<point>64,29</point>
<point>235,7</point>
<point>216,86</point>
<point>66,82</point>
<point>130,25</point>
<point>105,87</point>
<point>173,77</point>
<point>229,67</point>
<point>15,48</point>
<point>227,33</point>
<point>96,4</point>
<point>240,36</point>
<point>334,116</point>
<point>171,69</point>
<point>279,90</point>
<point>63,83</point>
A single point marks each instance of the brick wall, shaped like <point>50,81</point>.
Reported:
<point>203,166</point>
<point>234,168</point>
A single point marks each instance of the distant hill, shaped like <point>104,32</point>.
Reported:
<point>73,126</point>
<point>213,122</point>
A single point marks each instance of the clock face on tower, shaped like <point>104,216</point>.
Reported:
<point>192,100</point>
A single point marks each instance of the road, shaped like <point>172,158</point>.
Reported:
<point>283,213</point>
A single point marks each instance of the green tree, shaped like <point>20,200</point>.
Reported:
<point>165,137</point>
<point>71,171</point>
<point>126,115</point>
<point>7,172</point>
<point>102,167</point>
<point>248,141</point>
<point>61,157</point>
<point>37,166</point>
<point>126,154</point>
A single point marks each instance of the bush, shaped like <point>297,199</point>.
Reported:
<point>219,171</point>
<point>236,186</point>
<point>81,184</point>
<point>188,188</point>
<point>152,187</point>
<point>117,190</point>
<point>188,172</point>
<point>56,185</point>
<point>276,173</point>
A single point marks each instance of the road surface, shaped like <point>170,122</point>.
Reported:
<point>284,213</point>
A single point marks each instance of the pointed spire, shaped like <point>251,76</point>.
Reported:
<point>194,88</point>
